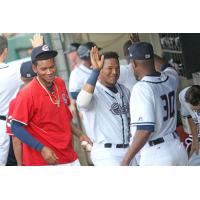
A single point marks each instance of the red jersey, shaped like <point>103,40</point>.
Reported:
<point>9,118</point>
<point>45,121</point>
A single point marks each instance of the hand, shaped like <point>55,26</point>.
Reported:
<point>37,40</point>
<point>84,137</point>
<point>124,163</point>
<point>97,63</point>
<point>49,156</point>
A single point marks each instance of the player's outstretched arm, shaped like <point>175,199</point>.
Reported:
<point>85,95</point>
<point>97,64</point>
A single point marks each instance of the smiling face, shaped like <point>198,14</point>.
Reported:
<point>46,71</point>
<point>110,72</point>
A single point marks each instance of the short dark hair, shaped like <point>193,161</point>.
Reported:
<point>192,95</point>
<point>3,43</point>
<point>110,54</point>
<point>126,45</point>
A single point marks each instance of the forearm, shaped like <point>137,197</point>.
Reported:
<point>17,147</point>
<point>85,96</point>
<point>76,131</point>
<point>193,128</point>
<point>20,132</point>
<point>91,82</point>
<point>139,140</point>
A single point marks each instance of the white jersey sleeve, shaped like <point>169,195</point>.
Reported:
<point>141,106</point>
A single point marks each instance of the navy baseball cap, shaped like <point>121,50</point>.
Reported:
<point>141,51</point>
<point>42,52</point>
<point>26,70</point>
<point>84,49</point>
<point>72,47</point>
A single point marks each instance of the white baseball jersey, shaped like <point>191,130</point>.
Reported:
<point>10,83</point>
<point>127,77</point>
<point>153,103</point>
<point>107,116</point>
<point>78,78</point>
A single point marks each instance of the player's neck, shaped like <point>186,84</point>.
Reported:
<point>147,73</point>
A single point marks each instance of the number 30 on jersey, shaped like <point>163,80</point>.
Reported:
<point>168,100</point>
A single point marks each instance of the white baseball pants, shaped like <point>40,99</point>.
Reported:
<point>4,143</point>
<point>102,156</point>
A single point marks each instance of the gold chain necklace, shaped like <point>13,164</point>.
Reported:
<point>57,101</point>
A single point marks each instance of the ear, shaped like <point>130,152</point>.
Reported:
<point>135,64</point>
<point>5,53</point>
<point>34,68</point>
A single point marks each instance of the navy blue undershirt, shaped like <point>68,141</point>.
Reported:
<point>20,132</point>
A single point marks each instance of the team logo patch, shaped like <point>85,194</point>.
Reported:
<point>117,109</point>
<point>45,48</point>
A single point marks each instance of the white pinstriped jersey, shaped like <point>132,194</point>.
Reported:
<point>107,116</point>
<point>153,103</point>
<point>78,78</point>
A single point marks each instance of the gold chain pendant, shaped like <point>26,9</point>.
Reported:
<point>57,100</point>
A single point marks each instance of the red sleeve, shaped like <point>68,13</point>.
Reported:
<point>23,110</point>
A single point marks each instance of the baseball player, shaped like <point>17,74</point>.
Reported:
<point>79,75</point>
<point>189,98</point>
<point>41,118</point>
<point>10,83</point>
<point>14,156</point>
<point>153,112</point>
<point>105,107</point>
